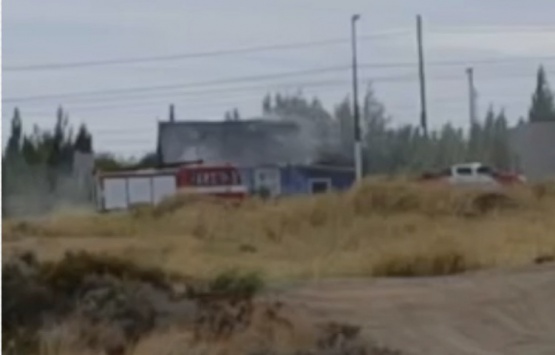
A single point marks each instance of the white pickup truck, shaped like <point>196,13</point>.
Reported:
<point>474,175</point>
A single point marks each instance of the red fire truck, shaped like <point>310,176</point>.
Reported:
<point>216,180</point>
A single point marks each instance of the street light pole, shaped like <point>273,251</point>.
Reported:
<point>356,112</point>
<point>471,95</point>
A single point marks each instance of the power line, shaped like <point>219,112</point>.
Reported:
<point>223,102</point>
<point>140,107</point>
<point>177,86</point>
<point>254,78</point>
<point>182,92</point>
<point>184,56</point>
<point>490,29</point>
<point>268,88</point>
<point>255,49</point>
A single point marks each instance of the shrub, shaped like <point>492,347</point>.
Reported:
<point>433,264</point>
<point>67,275</point>
<point>484,203</point>
<point>236,285</point>
<point>183,200</point>
<point>97,288</point>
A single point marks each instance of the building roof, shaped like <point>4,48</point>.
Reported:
<point>243,142</point>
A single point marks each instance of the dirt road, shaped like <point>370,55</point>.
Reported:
<point>501,313</point>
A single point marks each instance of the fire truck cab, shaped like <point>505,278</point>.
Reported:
<point>217,180</point>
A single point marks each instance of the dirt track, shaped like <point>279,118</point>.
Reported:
<point>501,313</point>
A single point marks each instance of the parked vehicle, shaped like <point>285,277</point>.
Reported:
<point>121,190</point>
<point>474,175</point>
<point>216,180</point>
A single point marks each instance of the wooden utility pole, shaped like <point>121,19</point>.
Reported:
<point>356,111</point>
<point>423,103</point>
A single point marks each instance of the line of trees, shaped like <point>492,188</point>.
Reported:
<point>406,149</point>
<point>37,165</point>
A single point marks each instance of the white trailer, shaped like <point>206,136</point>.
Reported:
<point>124,189</point>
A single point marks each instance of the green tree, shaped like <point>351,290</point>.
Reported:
<point>37,181</point>
<point>380,146</point>
<point>13,147</point>
<point>108,162</point>
<point>267,104</point>
<point>345,120</point>
<point>475,144</point>
<point>501,154</point>
<point>450,147</point>
<point>83,141</point>
<point>391,149</point>
<point>543,107</point>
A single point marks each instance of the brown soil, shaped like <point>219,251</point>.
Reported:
<point>497,313</point>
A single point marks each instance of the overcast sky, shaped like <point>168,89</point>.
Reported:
<point>504,40</point>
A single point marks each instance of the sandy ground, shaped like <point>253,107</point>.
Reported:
<point>500,312</point>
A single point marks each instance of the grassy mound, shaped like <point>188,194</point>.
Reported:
<point>336,234</point>
<point>199,215</point>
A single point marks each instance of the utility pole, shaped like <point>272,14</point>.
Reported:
<point>423,103</point>
<point>356,112</point>
<point>471,96</point>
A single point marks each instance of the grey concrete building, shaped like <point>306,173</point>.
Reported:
<point>534,146</point>
<point>241,142</point>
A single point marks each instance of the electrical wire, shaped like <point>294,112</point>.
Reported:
<point>264,48</point>
<point>193,55</point>
<point>255,78</point>
<point>488,29</point>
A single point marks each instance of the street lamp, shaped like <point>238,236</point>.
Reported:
<point>356,113</point>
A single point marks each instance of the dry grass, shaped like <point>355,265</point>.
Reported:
<point>385,228</point>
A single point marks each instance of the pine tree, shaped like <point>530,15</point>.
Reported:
<point>543,107</point>
<point>475,144</point>
<point>382,150</point>
<point>235,115</point>
<point>83,141</point>
<point>501,154</point>
<point>344,117</point>
<point>13,147</point>
<point>267,104</point>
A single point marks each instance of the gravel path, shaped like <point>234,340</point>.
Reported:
<point>501,313</point>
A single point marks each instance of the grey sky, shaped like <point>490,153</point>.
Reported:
<point>54,31</point>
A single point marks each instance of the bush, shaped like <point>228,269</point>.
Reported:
<point>67,275</point>
<point>434,264</point>
<point>183,200</point>
<point>236,285</point>
<point>98,289</point>
<point>544,190</point>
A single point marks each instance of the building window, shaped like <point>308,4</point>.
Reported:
<point>485,170</point>
<point>318,186</point>
<point>464,171</point>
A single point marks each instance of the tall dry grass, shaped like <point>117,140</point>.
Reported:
<point>377,228</point>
